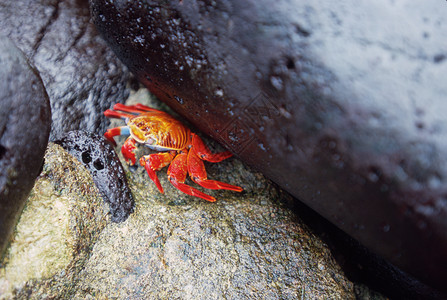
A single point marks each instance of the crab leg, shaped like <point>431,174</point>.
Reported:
<point>204,153</point>
<point>197,171</point>
<point>137,109</point>
<point>177,173</point>
<point>118,115</point>
<point>110,133</point>
<point>155,162</point>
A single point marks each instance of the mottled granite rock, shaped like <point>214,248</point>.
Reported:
<point>342,104</point>
<point>60,223</point>
<point>81,74</point>
<point>172,246</point>
<point>25,122</point>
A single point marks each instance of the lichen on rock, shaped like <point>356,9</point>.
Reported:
<point>61,221</point>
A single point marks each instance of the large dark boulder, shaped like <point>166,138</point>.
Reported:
<point>81,74</point>
<point>25,122</point>
<point>342,104</point>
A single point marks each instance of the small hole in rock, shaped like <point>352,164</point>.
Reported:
<point>374,174</point>
<point>420,125</point>
<point>438,58</point>
<point>290,64</point>
<point>98,165</point>
<point>86,158</point>
<point>2,151</point>
<point>301,31</point>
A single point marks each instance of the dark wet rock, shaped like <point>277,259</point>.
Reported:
<point>99,157</point>
<point>341,105</point>
<point>172,246</point>
<point>82,76</point>
<point>25,122</point>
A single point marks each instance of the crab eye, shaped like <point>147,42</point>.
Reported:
<point>149,141</point>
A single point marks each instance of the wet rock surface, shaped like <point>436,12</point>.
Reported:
<point>63,218</point>
<point>341,105</point>
<point>81,74</point>
<point>25,122</point>
<point>108,174</point>
<point>172,246</point>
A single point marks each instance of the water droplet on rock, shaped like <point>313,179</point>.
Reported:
<point>277,82</point>
<point>179,100</point>
<point>219,92</point>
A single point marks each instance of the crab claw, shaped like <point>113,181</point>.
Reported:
<point>155,162</point>
<point>128,150</point>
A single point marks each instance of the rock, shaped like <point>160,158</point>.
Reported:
<point>172,246</point>
<point>81,74</point>
<point>341,105</point>
<point>61,222</point>
<point>101,160</point>
<point>25,122</point>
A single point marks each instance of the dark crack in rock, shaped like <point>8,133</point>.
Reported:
<point>25,122</point>
<point>106,169</point>
<point>81,74</point>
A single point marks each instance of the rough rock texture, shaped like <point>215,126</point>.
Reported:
<point>342,105</point>
<point>25,122</point>
<point>81,74</point>
<point>173,246</point>
<point>62,220</point>
<point>101,160</point>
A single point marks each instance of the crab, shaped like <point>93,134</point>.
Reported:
<point>178,147</point>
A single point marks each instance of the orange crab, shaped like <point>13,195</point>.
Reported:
<point>182,149</point>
